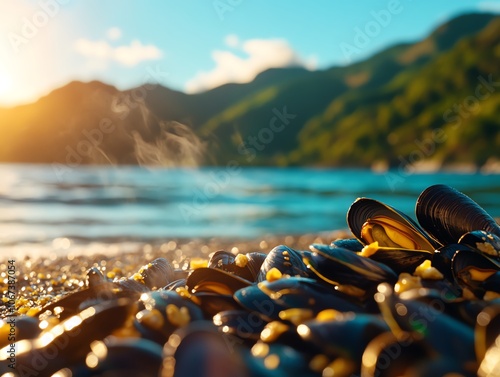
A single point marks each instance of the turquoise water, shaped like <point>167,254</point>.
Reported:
<point>45,207</point>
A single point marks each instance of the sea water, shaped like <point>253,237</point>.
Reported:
<point>43,208</point>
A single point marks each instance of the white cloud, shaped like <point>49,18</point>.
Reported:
<point>489,6</point>
<point>232,40</point>
<point>261,55</point>
<point>113,33</point>
<point>101,52</point>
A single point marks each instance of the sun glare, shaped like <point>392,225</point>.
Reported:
<point>5,83</point>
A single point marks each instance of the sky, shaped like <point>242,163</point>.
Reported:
<point>195,45</point>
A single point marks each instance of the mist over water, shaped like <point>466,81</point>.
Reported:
<point>123,131</point>
<point>132,204</point>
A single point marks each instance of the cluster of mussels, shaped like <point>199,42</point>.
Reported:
<point>399,299</point>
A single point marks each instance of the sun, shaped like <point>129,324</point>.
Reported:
<point>5,82</point>
<point>5,85</point>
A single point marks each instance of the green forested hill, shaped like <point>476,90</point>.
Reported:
<point>378,109</point>
<point>449,108</point>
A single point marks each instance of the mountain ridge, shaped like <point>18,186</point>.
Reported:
<point>371,112</point>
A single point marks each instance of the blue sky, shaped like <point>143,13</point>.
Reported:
<point>195,45</point>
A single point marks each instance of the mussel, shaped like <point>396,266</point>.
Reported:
<point>443,334</point>
<point>371,220</point>
<point>205,279</point>
<point>352,244</point>
<point>201,350</point>
<point>443,256</point>
<point>476,272</point>
<point>447,214</point>
<point>212,303</point>
<point>341,267</point>
<point>399,259</point>
<point>270,298</point>
<point>286,260</point>
<point>117,357</point>
<point>156,274</point>
<point>484,242</point>
<point>282,360</point>
<point>162,312</point>
<point>246,266</point>
<point>18,328</point>
<point>75,302</point>
<point>388,355</point>
<point>342,334</point>
<point>68,342</point>
<point>242,323</point>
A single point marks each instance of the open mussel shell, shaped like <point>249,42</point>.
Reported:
<point>476,271</point>
<point>201,350</point>
<point>444,335</point>
<point>247,266</point>
<point>212,303</point>
<point>343,267</point>
<point>484,242</point>
<point>213,280</point>
<point>447,214</point>
<point>346,336</point>
<point>443,257</point>
<point>287,260</point>
<point>68,342</point>
<point>370,220</point>
<point>268,299</point>
<point>398,259</point>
